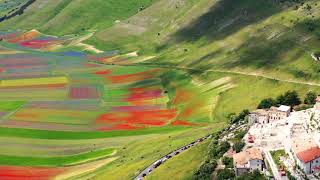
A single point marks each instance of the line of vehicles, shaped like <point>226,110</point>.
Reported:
<point>162,160</point>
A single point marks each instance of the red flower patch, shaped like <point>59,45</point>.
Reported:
<point>119,127</point>
<point>28,173</point>
<point>151,117</point>
<point>38,44</point>
<point>144,94</point>
<point>182,96</point>
<point>129,78</point>
<point>103,72</point>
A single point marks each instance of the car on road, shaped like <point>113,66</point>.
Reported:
<point>144,175</point>
<point>150,170</point>
<point>176,153</point>
<point>157,163</point>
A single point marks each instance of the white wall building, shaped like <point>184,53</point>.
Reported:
<point>260,116</point>
<point>264,116</point>
<point>317,105</point>
<point>278,113</point>
<point>248,161</point>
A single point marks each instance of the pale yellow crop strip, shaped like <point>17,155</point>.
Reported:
<point>33,81</point>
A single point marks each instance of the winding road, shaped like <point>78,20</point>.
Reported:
<point>167,157</point>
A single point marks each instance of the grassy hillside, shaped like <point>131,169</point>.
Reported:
<point>66,16</point>
<point>264,37</point>
<point>232,54</point>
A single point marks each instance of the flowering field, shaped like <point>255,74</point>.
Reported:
<point>57,106</point>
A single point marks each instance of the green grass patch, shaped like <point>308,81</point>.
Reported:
<point>10,105</point>
<point>182,166</point>
<point>67,135</point>
<point>276,156</point>
<point>56,161</point>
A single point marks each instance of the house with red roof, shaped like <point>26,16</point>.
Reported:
<point>306,154</point>
<point>309,160</point>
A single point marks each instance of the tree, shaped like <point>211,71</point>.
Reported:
<point>255,175</point>
<point>224,174</point>
<point>205,171</point>
<point>266,103</point>
<point>241,116</point>
<point>280,99</point>
<point>238,145</point>
<point>310,98</point>
<point>227,161</point>
<point>289,98</point>
<point>224,147</point>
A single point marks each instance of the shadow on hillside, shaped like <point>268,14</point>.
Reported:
<point>227,17</point>
<point>264,51</point>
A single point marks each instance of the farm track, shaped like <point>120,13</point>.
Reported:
<point>219,71</point>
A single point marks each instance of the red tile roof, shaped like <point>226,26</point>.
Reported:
<point>309,154</point>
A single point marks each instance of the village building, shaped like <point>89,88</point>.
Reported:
<point>248,161</point>
<point>306,154</point>
<point>317,105</point>
<point>315,56</point>
<point>264,116</point>
<point>260,116</point>
<point>278,113</point>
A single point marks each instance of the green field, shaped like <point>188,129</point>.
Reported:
<point>56,161</point>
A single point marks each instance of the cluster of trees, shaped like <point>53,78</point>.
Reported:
<point>216,151</point>
<point>228,162</point>
<point>229,174</point>
<point>289,98</point>
<point>205,170</point>
<point>241,117</point>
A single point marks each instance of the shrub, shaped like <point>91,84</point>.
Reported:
<point>238,145</point>
<point>205,170</point>
<point>289,98</point>
<point>224,174</point>
<point>228,162</point>
<point>266,103</point>
<point>310,98</point>
<point>255,175</point>
<point>240,134</point>
<point>241,117</point>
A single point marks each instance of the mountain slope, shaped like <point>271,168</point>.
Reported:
<point>66,16</point>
